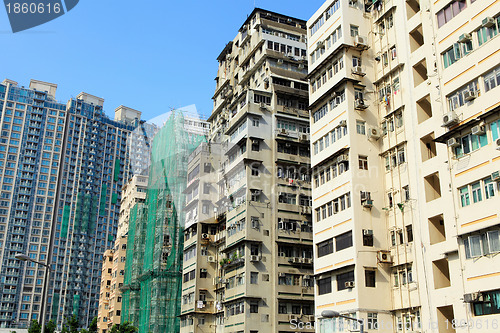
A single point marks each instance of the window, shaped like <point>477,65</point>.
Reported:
<point>450,11</point>
<point>255,145</point>
<point>372,323</point>
<point>370,278</point>
<point>452,55</point>
<point>363,162</point>
<point>325,248</point>
<point>254,277</point>
<point>255,195</point>
<point>254,307</point>
<point>406,193</point>
<point>409,233</point>
<point>456,99</point>
<point>484,34</point>
<point>343,278</point>
<point>492,79</point>
<point>354,30</point>
<point>343,241</point>
<point>325,286</point>
<point>482,244</point>
<point>490,303</point>
<point>361,127</point>
<point>495,128</point>
<point>255,122</point>
<point>476,192</point>
<point>489,188</point>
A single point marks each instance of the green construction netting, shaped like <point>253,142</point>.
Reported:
<point>55,307</point>
<point>114,198</point>
<point>153,278</point>
<point>117,170</point>
<point>102,207</point>
<point>76,304</point>
<point>65,221</point>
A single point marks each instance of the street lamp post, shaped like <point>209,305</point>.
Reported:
<point>24,257</point>
<point>335,314</point>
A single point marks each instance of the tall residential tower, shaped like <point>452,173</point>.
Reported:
<point>248,237</point>
<point>405,157</point>
<point>62,167</point>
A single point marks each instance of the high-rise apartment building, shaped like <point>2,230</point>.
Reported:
<point>248,236</point>
<point>110,298</point>
<point>405,228</point>
<point>62,167</point>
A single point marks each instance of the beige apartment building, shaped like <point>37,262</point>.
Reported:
<point>113,268</point>
<point>405,157</point>
<point>248,236</point>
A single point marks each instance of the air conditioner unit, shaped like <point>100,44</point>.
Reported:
<point>488,22</point>
<point>349,284</point>
<point>297,260</point>
<point>307,261</point>
<point>384,256</point>
<point>293,317</point>
<point>283,131</point>
<point>289,20</point>
<point>464,38</point>
<point>301,66</point>
<point>450,119</point>
<point>495,176</point>
<point>367,203</point>
<point>262,105</point>
<point>280,61</point>
<point>469,95</point>
<point>374,133</point>
<point>470,298</point>
<point>343,123</point>
<point>359,104</point>
<point>497,142</point>
<point>453,142</point>
<point>205,236</point>
<point>358,70</point>
<point>343,158</point>
<point>320,44</point>
<point>304,137</point>
<point>254,258</point>
<point>281,274</point>
<point>210,259</point>
<point>478,130</point>
<point>367,232</point>
<point>360,41</point>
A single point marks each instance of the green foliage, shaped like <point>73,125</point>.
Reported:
<point>50,327</point>
<point>93,326</point>
<point>125,327</point>
<point>70,325</point>
<point>35,327</point>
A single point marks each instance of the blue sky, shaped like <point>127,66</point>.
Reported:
<point>148,55</point>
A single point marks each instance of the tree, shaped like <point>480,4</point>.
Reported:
<point>50,327</point>
<point>126,327</point>
<point>35,327</point>
<point>72,324</point>
<point>93,326</point>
